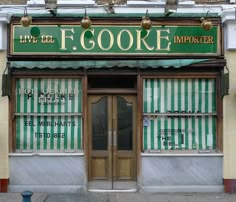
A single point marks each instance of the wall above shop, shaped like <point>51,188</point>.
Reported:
<point>225,8</point>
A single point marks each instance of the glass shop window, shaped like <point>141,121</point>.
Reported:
<point>48,115</point>
<point>179,114</point>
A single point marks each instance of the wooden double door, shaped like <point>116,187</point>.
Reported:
<point>112,141</point>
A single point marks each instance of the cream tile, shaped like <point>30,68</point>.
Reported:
<point>4,165</point>
<point>229,156</point>
<point>229,168</point>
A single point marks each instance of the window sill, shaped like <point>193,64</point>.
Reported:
<point>180,153</point>
<point>45,154</point>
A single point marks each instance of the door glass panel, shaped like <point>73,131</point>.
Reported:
<point>124,124</point>
<point>99,124</point>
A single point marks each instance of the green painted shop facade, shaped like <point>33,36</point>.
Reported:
<point>110,40</point>
<point>117,106</point>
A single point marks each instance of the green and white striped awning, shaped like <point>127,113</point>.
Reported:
<point>175,63</point>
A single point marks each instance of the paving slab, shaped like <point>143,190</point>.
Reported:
<point>13,197</point>
<point>157,197</point>
<point>178,198</point>
<point>80,197</point>
<point>121,197</point>
<point>129,197</point>
<point>16,197</point>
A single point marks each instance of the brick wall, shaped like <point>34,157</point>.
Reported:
<point>14,2</point>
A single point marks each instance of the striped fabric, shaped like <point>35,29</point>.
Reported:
<point>179,114</point>
<point>48,114</point>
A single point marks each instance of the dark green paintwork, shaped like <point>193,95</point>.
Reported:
<point>148,43</point>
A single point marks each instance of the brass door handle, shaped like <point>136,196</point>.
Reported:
<point>109,138</point>
<point>114,138</point>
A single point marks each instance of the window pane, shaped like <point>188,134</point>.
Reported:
<point>179,95</point>
<point>41,122</point>
<point>179,114</point>
<point>175,133</point>
<point>48,95</point>
<point>125,124</point>
<point>42,133</point>
<point>99,124</point>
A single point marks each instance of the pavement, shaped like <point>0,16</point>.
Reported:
<point>120,197</point>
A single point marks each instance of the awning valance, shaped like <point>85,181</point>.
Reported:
<point>142,64</point>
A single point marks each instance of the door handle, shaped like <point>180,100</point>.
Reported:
<point>109,138</point>
<point>114,138</point>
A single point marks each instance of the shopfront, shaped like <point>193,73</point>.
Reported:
<point>116,107</point>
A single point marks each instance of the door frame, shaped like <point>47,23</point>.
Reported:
<point>136,143</point>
